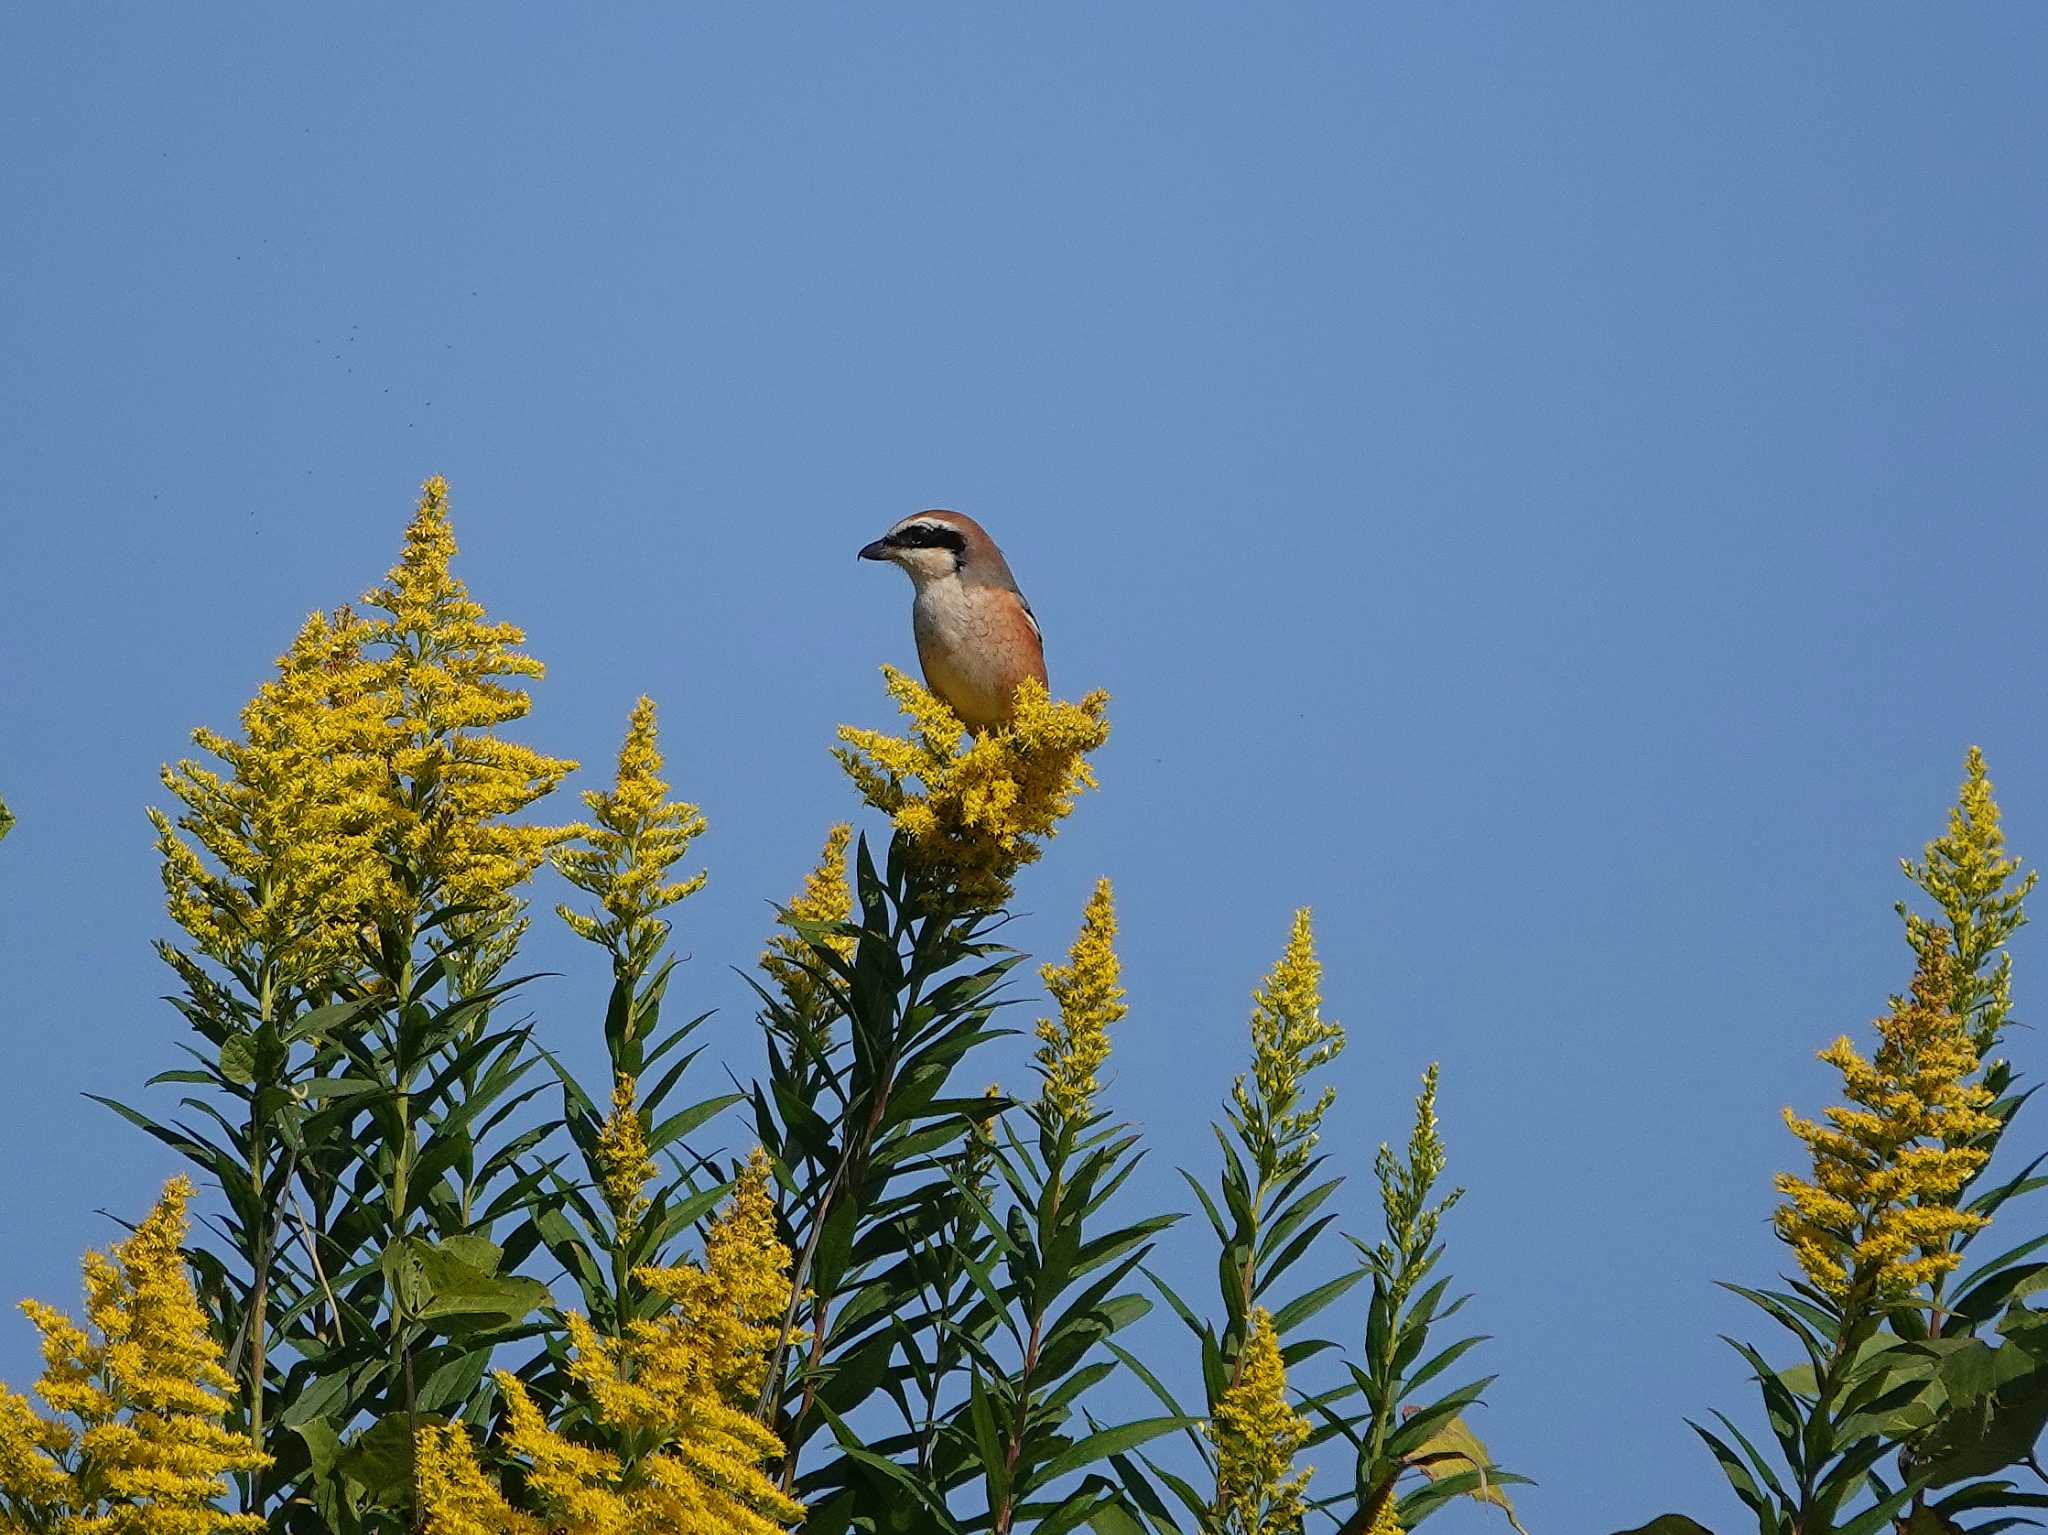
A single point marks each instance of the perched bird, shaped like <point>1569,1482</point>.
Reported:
<point>976,636</point>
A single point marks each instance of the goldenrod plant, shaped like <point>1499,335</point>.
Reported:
<point>1257,1432</point>
<point>638,1191</point>
<point>1410,1450</point>
<point>1412,1454</point>
<point>447,1288</point>
<point>676,1391</point>
<point>877,1161</point>
<point>1056,1290</point>
<point>619,1217</point>
<point>1922,1373</point>
<point>1265,1216</point>
<point>345,874</point>
<point>134,1440</point>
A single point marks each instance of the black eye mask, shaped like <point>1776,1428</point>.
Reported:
<point>927,535</point>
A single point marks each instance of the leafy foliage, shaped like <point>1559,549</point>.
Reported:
<point>1902,1410</point>
<point>448,1287</point>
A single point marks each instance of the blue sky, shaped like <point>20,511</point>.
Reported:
<point>1556,489</point>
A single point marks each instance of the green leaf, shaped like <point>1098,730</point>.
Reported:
<point>335,1016</point>
<point>1989,1432</point>
<point>682,1123</point>
<point>1106,1442</point>
<point>1669,1524</point>
<point>238,1060</point>
<point>323,1445</point>
<point>379,1460</point>
<point>982,1415</point>
<point>454,1284</point>
<point>1302,1307</point>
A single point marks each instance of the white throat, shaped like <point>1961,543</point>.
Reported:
<point>930,568</point>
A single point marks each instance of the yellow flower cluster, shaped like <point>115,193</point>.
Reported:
<point>1256,1433</point>
<point>978,815</point>
<point>1290,1038</point>
<point>678,1385</point>
<point>625,857</point>
<point>456,1497</point>
<point>1090,1000</point>
<point>1966,871</point>
<point>825,900</point>
<point>152,1455</point>
<point>368,783</point>
<point>292,821</point>
<point>1405,1184</point>
<point>443,678</point>
<point>1886,1171</point>
<point>623,1160</point>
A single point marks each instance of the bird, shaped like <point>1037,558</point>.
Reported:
<point>977,638</point>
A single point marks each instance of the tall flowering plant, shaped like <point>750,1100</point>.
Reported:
<point>1922,1374</point>
<point>345,876</point>
<point>133,1433</point>
<point>871,999</point>
<point>431,1305</point>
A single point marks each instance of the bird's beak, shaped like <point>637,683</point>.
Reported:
<point>880,549</point>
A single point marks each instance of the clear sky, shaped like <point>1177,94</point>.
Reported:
<point>1556,489</point>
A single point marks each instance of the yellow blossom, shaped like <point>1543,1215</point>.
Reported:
<point>457,1497</point>
<point>368,784</point>
<point>1256,1433</point>
<point>679,1385</point>
<point>1877,1218</point>
<point>1090,1001</point>
<point>444,677</point>
<point>979,814</point>
<point>1405,1185</point>
<point>277,851</point>
<point>623,1160</point>
<point>825,901</point>
<point>151,1454</point>
<point>1966,871</point>
<point>1290,1038</point>
<point>624,858</point>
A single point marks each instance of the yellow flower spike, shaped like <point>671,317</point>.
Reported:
<point>1256,1433</point>
<point>1090,1001</point>
<point>976,816</point>
<point>153,1454</point>
<point>1967,871</point>
<point>368,782</point>
<point>1290,1038</point>
<point>294,824</point>
<point>1405,1183</point>
<point>622,1158</point>
<point>624,858</point>
<point>1885,1174</point>
<point>678,1384</point>
<point>455,1497</point>
<point>825,899</point>
<point>444,680</point>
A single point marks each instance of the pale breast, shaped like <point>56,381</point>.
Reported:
<point>975,647</point>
